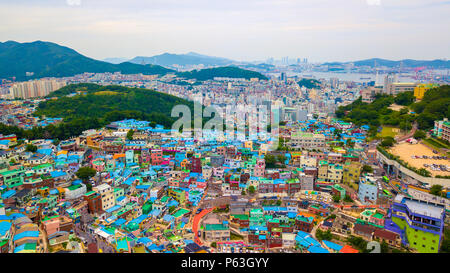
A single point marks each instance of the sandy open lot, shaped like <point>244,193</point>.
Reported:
<point>406,150</point>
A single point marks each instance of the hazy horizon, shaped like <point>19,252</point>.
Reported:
<point>251,30</point>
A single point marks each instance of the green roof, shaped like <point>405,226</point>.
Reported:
<point>240,216</point>
<point>74,187</point>
<point>215,227</point>
<point>378,215</point>
<point>180,213</point>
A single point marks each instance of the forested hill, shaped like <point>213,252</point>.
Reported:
<point>434,106</point>
<point>46,59</point>
<point>227,72</point>
<point>191,58</point>
<point>97,106</point>
<point>108,103</point>
<point>309,83</point>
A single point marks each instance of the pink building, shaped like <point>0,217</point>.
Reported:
<point>260,168</point>
<point>98,165</point>
<point>157,156</point>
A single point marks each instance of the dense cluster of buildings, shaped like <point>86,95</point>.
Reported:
<point>35,88</point>
<point>160,191</point>
<point>20,113</point>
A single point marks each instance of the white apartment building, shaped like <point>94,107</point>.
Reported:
<point>107,194</point>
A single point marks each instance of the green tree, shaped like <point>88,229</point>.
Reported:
<point>388,142</point>
<point>350,143</point>
<point>445,247</point>
<point>56,142</point>
<point>404,98</point>
<point>251,189</point>
<point>270,161</point>
<point>320,235</point>
<point>85,173</point>
<point>367,169</point>
<point>31,148</point>
<point>348,199</point>
<point>336,198</point>
<point>419,134</point>
<point>424,172</point>
<point>172,209</point>
<point>130,134</point>
<point>358,243</point>
<point>384,247</point>
<point>436,190</point>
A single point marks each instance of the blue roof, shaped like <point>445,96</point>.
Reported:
<point>119,222</point>
<point>4,142</point>
<point>140,219</point>
<point>155,212</point>
<point>312,241</point>
<point>332,245</point>
<point>144,240</point>
<point>172,203</point>
<point>142,187</point>
<point>129,181</point>
<point>168,218</point>
<point>4,227</point>
<point>56,174</point>
<point>8,194</point>
<point>76,182</point>
<point>112,209</point>
<point>301,235</point>
<point>291,214</point>
<point>28,233</point>
<point>19,248</point>
<point>317,249</point>
<point>45,151</point>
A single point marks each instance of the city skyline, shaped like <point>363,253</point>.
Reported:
<point>335,30</point>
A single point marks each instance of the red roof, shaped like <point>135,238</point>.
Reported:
<point>385,234</point>
<point>348,249</point>
<point>366,229</point>
<point>92,248</point>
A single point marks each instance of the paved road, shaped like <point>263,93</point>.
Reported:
<point>196,222</point>
<point>408,135</point>
<point>101,244</point>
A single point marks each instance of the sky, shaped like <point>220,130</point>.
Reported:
<point>244,30</point>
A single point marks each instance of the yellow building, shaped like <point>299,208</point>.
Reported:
<point>419,90</point>
<point>248,145</point>
<point>352,171</point>
<point>295,157</point>
<point>177,194</point>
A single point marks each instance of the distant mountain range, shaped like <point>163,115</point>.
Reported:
<point>45,59</point>
<point>191,58</point>
<point>376,62</point>
<point>115,60</point>
<point>228,72</point>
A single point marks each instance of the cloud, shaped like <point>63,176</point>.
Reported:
<point>322,30</point>
<point>74,2</point>
<point>373,2</point>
